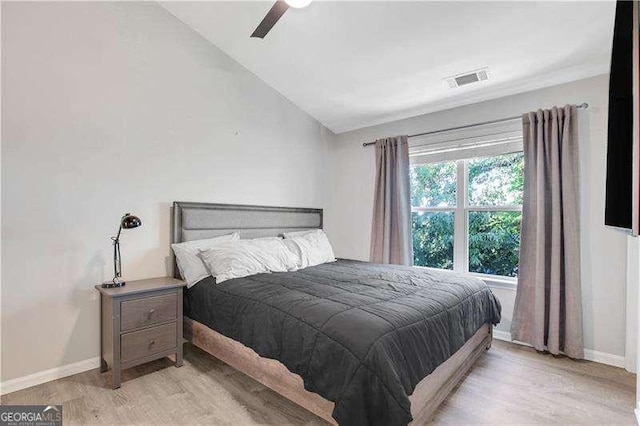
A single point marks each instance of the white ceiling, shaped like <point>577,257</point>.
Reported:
<point>355,64</point>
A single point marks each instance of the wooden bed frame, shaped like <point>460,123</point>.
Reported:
<point>426,398</point>
<point>208,220</point>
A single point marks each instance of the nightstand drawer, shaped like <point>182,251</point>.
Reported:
<point>138,344</point>
<point>147,311</point>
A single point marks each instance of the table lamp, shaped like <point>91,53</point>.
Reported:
<point>128,221</point>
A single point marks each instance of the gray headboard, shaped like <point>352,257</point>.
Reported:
<point>196,221</point>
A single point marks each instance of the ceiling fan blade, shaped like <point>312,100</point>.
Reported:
<point>275,13</point>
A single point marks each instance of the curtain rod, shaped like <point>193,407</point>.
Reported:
<point>582,106</point>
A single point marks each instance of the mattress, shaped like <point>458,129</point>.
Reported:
<point>359,334</point>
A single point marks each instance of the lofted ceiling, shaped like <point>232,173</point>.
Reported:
<point>352,64</point>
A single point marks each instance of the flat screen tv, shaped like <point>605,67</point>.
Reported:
<point>621,209</point>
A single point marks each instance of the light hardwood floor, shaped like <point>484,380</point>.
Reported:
<point>510,384</point>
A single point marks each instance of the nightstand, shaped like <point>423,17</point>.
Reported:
<point>140,322</point>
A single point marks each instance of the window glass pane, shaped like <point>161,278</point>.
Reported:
<point>494,241</point>
<point>433,239</point>
<point>433,185</point>
<point>496,181</point>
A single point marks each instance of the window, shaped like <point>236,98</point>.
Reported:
<point>466,214</point>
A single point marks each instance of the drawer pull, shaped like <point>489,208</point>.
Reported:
<point>148,341</point>
<point>145,311</point>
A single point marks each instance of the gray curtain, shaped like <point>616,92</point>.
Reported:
<point>548,308</point>
<point>391,240</point>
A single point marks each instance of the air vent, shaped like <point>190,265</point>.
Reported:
<point>468,78</point>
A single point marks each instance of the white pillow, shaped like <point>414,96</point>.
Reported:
<point>189,263</point>
<point>248,257</point>
<point>295,251</point>
<point>231,260</point>
<point>299,233</point>
<point>273,254</point>
<point>314,247</point>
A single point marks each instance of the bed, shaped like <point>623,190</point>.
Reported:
<point>353,342</point>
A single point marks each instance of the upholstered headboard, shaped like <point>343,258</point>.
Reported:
<point>196,221</point>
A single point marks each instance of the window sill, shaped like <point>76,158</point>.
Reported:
<point>497,282</point>
<point>491,280</point>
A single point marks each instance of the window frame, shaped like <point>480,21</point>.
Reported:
<point>461,220</point>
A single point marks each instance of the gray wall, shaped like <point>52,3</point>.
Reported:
<point>119,107</point>
<point>603,249</point>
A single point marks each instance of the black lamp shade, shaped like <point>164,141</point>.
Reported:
<point>130,221</point>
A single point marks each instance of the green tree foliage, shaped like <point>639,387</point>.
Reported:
<point>494,237</point>
<point>494,241</point>
<point>433,239</point>
<point>434,185</point>
<point>496,181</point>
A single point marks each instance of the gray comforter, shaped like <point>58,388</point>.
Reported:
<point>360,334</point>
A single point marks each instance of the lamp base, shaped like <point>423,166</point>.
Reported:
<point>113,283</point>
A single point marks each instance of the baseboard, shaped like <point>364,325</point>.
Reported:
<point>48,375</point>
<point>501,335</point>
<point>604,358</point>
<point>589,354</point>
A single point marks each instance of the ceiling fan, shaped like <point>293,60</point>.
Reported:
<point>275,13</point>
